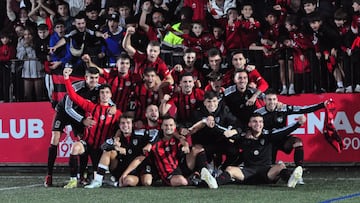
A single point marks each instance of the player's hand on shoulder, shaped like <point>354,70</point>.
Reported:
<point>89,122</point>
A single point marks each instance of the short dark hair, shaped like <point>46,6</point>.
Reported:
<point>149,69</point>
<point>167,117</point>
<point>154,43</point>
<point>255,114</point>
<point>213,52</point>
<point>309,2</point>
<point>215,76</point>
<point>127,115</point>
<point>341,14</point>
<point>186,74</point>
<point>210,95</point>
<point>270,91</point>
<point>292,20</point>
<point>241,71</point>
<point>314,17</point>
<point>92,70</point>
<point>189,50</point>
<point>123,56</point>
<point>104,86</point>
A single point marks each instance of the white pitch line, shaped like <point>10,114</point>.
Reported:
<point>20,187</point>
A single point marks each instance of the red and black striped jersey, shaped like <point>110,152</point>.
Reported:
<point>122,88</point>
<point>105,123</point>
<point>165,154</point>
<point>141,62</point>
<point>186,104</point>
<point>143,98</point>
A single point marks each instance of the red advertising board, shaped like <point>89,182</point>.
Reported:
<point>25,131</point>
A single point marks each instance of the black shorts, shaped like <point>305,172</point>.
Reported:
<point>145,167</point>
<point>182,169</point>
<point>256,174</point>
<point>62,119</point>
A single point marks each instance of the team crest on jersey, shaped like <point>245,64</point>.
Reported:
<point>256,152</point>
<point>120,88</point>
<point>102,117</point>
<point>262,141</point>
<point>280,119</point>
<point>217,119</point>
<point>172,142</point>
<point>127,83</point>
<point>135,142</point>
<point>130,151</point>
<point>148,168</point>
<point>156,96</point>
<point>148,100</point>
<point>187,107</point>
<point>193,101</point>
<point>167,149</point>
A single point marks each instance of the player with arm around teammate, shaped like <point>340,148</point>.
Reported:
<point>96,135</point>
<point>120,151</point>
<point>257,151</point>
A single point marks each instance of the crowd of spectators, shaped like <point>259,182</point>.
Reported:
<point>296,46</point>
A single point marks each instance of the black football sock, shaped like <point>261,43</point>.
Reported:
<point>223,178</point>
<point>74,165</point>
<point>52,154</point>
<point>285,174</point>
<point>83,164</point>
<point>201,161</point>
<point>299,156</point>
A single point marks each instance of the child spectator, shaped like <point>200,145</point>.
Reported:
<point>33,70</point>
<point>218,38</point>
<point>299,43</point>
<point>274,54</point>
<point>233,38</point>
<point>124,11</point>
<point>219,8</point>
<point>62,13</point>
<point>250,27</point>
<point>198,40</point>
<point>344,52</point>
<point>328,42</point>
<point>7,52</point>
<point>42,14</point>
<point>42,52</point>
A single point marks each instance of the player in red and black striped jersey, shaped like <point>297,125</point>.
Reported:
<point>120,151</point>
<point>186,101</point>
<point>122,81</point>
<point>105,122</point>
<point>69,113</point>
<point>150,59</point>
<point>176,162</point>
<point>147,93</point>
<point>188,65</point>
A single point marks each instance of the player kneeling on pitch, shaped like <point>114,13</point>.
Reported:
<point>120,151</point>
<point>256,144</point>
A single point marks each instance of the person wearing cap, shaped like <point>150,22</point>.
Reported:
<point>115,35</point>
